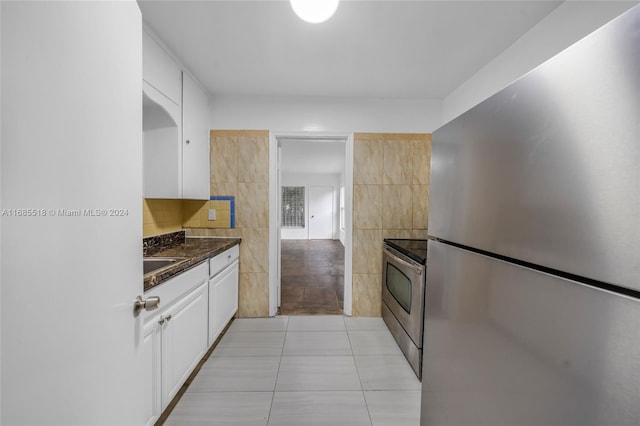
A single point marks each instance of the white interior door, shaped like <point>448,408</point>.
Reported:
<point>279,227</point>
<point>72,234</point>
<point>321,211</point>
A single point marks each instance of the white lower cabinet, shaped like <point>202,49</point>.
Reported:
<point>175,337</point>
<point>152,354</point>
<point>223,300</point>
<point>184,340</point>
<point>195,307</point>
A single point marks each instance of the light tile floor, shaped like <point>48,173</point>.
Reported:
<point>303,370</point>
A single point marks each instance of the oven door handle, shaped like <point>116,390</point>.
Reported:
<point>417,269</point>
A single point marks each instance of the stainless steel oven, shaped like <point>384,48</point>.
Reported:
<point>403,283</point>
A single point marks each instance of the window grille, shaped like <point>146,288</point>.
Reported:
<point>293,206</point>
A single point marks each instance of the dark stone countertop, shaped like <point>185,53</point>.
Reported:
<point>193,250</point>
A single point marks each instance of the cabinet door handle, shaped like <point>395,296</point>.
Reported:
<point>188,141</point>
<point>163,319</point>
<point>150,304</point>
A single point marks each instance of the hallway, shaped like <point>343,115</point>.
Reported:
<point>312,277</point>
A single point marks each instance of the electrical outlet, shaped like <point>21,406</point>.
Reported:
<point>212,214</point>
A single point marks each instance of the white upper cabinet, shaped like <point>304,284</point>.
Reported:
<point>195,141</point>
<point>176,130</point>
<point>161,145</point>
<point>160,70</point>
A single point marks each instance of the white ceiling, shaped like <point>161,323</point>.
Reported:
<point>312,157</point>
<point>390,49</point>
<point>374,49</point>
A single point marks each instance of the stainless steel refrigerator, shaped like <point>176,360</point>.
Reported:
<point>533,273</point>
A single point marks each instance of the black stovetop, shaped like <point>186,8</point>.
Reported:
<point>415,249</point>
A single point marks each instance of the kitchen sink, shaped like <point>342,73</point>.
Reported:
<point>154,263</point>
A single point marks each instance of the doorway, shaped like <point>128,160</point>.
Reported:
<point>310,238</point>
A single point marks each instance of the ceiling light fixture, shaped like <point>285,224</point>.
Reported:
<point>314,11</point>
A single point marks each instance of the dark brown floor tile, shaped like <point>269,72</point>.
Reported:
<point>322,281</point>
<point>340,294</point>
<point>312,277</point>
<point>324,298</point>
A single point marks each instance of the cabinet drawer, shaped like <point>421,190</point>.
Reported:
<point>171,290</point>
<point>221,261</point>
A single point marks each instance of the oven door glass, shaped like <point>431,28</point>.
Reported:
<point>399,285</point>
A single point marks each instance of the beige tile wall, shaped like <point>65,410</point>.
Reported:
<point>240,168</point>
<point>391,190</point>
<point>390,200</point>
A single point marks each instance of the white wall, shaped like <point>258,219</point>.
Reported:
<point>307,180</point>
<point>567,24</point>
<point>326,114</point>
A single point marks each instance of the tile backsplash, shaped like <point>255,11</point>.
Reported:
<point>196,213</point>
<point>161,216</point>
<point>164,216</point>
